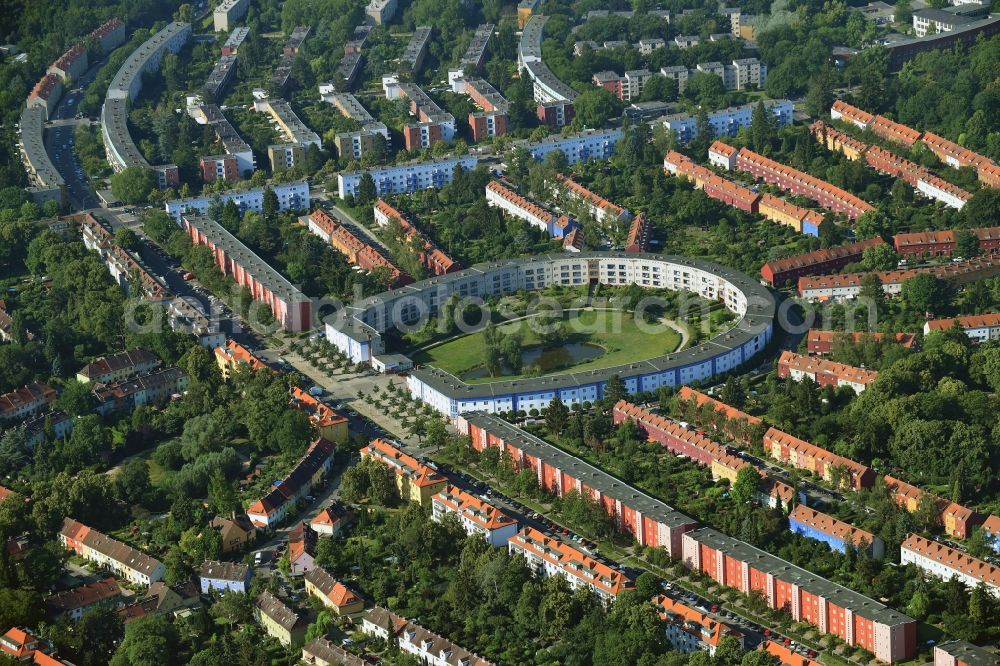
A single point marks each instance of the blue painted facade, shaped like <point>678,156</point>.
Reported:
<point>810,229</point>
<point>225,577</point>
<point>812,533</point>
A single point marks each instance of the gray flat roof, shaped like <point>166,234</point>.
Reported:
<point>261,271</point>
<point>477,46</point>
<point>136,61</point>
<point>580,469</point>
<point>761,308</point>
<point>114,115</point>
<point>941,16</point>
<point>969,654</point>
<point>237,36</point>
<point>418,42</point>
<point>33,147</point>
<point>349,106</point>
<point>813,583</point>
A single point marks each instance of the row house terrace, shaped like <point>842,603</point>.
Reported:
<point>652,522</point>
<point>848,285</point>
<point>824,372</point>
<point>781,271</point>
<point>669,434</point>
<point>891,164</point>
<point>414,639</point>
<point>956,520</point>
<point>798,182</point>
<point>713,185</point>
<point>154,388</point>
<point>821,343</point>
<point>786,213</point>
<point>735,423</point>
<point>836,533</point>
<point>980,328</point>
<point>116,367</point>
<point>546,556</point>
<point>945,562</point>
<point>807,597</point>
<point>501,196</point>
<point>838,141</point>
<point>430,255</point>
<point>26,401</point>
<point>600,208</point>
<point>268,511</point>
<point>476,516</point>
<point>124,560</point>
<point>942,243</point>
<point>798,453</point>
<point>841,110</point>
<point>952,154</point>
<point>894,132</point>
<point>359,252</point>
<point>640,235</point>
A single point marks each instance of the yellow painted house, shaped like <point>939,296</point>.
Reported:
<point>415,481</point>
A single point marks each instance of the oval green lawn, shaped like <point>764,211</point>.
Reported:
<point>616,332</point>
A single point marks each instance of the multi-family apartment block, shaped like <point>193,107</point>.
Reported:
<point>407,177</point>
<point>835,533</point>
<point>357,143</point>
<point>411,638</point>
<point>331,521</point>
<point>110,34</point>
<point>477,516</point>
<point>381,11</point>
<point>824,372</point>
<point>222,577</point>
<point>492,119</point>
<point>268,511</point>
<point>107,369</point>
<point>126,84</point>
<point>282,74</point>
<point>415,51</point>
<point>129,563</point>
<point>848,285</point>
<point>237,161</point>
<point>416,481</point>
<point>354,246</point>
<point>649,520</point>
<point>934,21</point>
<point>154,388</point>
<point>852,617</point>
<point>640,235</point>
<point>26,401</point>
<point>945,562</point>
<point>291,196</point>
<point>296,134</point>
<point>578,147</point>
<point>961,653</point>
<point>433,123</point>
<point>475,55</point>
<point>46,93</point>
<point>280,621</point>
<point>956,520</point>
<point>554,97</point>
<point>547,557</point>
<point>512,203</point>
<point>333,594</point>
<point>302,543</point>
<point>71,64</point>
<point>228,12</point>
<point>291,308</point>
<point>329,424</point>
<point>782,271</point>
<point>322,652</point>
<point>980,328</point>
<point>727,122</point>
<point>690,630</point>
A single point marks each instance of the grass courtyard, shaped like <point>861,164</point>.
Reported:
<point>621,339</point>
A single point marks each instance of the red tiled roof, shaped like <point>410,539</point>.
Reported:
<point>954,270</point>
<point>731,413</point>
<point>234,353</point>
<point>808,449</point>
<point>521,202</point>
<point>991,320</point>
<point>822,256</point>
<point>108,26</point>
<point>841,371</point>
<point>816,335</point>
<point>702,626</point>
<point>402,463</point>
<point>590,197</point>
<point>571,561</point>
<point>895,132</point>
<point>319,413</point>
<point>723,149</point>
<point>43,89</point>
<point>829,525</point>
<point>852,113</point>
<point>66,60</point>
<point>13,400</point>
<point>338,593</point>
<point>484,514</point>
<point>786,655</point>
<point>953,559</point>
<point>942,146</point>
<point>84,595</point>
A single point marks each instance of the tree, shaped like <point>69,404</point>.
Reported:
<point>659,89</point>
<point>982,206</point>
<point>761,128</point>
<point>77,398</point>
<point>966,244</point>
<point>925,293</point>
<point>615,390</point>
<point>127,239</point>
<point>271,204</point>
<point>132,482</point>
<point>595,107</point>
<point>133,185</point>
<point>152,640</point>
<point>879,257</point>
<point>744,490</point>
<point>556,415</point>
<point>366,191</point>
